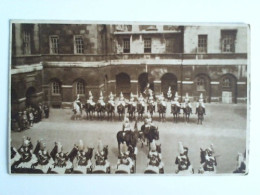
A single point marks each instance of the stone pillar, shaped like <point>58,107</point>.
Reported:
<point>18,39</point>
<point>157,87</point>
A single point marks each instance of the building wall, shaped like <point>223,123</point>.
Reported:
<point>214,38</point>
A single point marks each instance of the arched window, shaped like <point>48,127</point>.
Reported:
<point>201,84</point>
<point>55,87</point>
<point>226,83</point>
<point>80,87</point>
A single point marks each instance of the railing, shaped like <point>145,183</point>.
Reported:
<point>34,59</point>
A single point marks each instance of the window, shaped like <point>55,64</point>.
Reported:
<point>80,88</point>
<point>226,83</point>
<point>201,84</point>
<point>55,88</point>
<point>78,45</point>
<point>202,43</point>
<point>147,45</point>
<point>26,42</point>
<point>126,45</point>
<point>54,41</point>
<point>228,41</point>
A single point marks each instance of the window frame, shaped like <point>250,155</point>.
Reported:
<point>56,46</point>
<point>148,47</point>
<point>201,84</point>
<point>126,49</point>
<point>226,85</point>
<point>55,88</point>
<point>77,48</point>
<point>80,88</point>
<point>228,38</point>
<point>26,42</point>
<point>202,43</point>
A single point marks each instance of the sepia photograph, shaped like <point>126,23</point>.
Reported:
<point>128,98</point>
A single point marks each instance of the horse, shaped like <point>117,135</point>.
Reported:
<point>149,133</point>
<point>120,111</point>
<point>101,109</point>
<point>200,112</point>
<point>77,110</point>
<point>110,111</point>
<point>140,110</point>
<point>175,110</point>
<point>161,111</point>
<point>187,111</point>
<point>90,110</point>
<point>126,136</point>
<point>150,109</point>
<point>131,111</point>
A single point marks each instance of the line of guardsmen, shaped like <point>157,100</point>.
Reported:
<point>141,100</point>
<point>182,161</point>
<point>24,119</point>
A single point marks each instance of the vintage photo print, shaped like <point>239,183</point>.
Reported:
<point>128,98</point>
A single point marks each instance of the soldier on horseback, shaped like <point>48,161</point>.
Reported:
<point>200,103</point>
<point>126,125</point>
<point>141,100</point>
<point>90,99</point>
<point>101,99</point>
<point>187,101</point>
<point>121,100</point>
<point>175,101</point>
<point>132,100</point>
<point>182,161</point>
<point>111,99</point>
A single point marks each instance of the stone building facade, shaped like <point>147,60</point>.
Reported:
<point>55,62</point>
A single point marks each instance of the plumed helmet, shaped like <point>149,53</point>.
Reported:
<point>131,95</point>
<point>176,95</point>
<point>141,95</point>
<point>90,93</point>
<point>153,146</point>
<point>101,94</point>
<point>126,120</point>
<point>169,90</point>
<point>121,95</point>
<point>100,146</point>
<point>181,148</point>
<point>81,145</point>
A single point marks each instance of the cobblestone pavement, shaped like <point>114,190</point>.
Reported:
<point>224,126</point>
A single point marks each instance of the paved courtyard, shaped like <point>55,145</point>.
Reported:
<point>224,126</point>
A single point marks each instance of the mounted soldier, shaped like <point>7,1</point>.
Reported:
<point>131,107</point>
<point>111,99</point>
<point>77,108</point>
<point>126,125</point>
<point>169,94</point>
<point>121,106</point>
<point>182,160</point>
<point>176,100</point>
<point>101,99</point>
<point>141,100</point>
<point>201,103</point>
<point>121,100</point>
<point>90,99</point>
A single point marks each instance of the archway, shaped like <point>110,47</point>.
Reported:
<point>143,81</point>
<point>169,80</point>
<point>228,85</point>
<point>30,95</point>
<point>123,84</point>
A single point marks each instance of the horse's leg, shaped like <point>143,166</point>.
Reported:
<point>118,148</point>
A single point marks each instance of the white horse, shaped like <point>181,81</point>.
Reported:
<point>77,109</point>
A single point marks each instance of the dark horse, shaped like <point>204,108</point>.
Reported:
<point>110,111</point>
<point>100,110</point>
<point>121,111</point>
<point>187,111</point>
<point>150,109</point>
<point>175,110</point>
<point>150,133</point>
<point>129,137</point>
<point>140,110</point>
<point>90,110</point>
<point>131,111</point>
<point>161,111</point>
<point>200,112</point>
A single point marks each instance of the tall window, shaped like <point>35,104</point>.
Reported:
<point>228,41</point>
<point>55,88</point>
<point>54,44</point>
<point>202,43</point>
<point>147,45</point>
<point>201,84</point>
<point>126,45</point>
<point>80,88</point>
<point>226,83</point>
<point>78,44</point>
<point>26,42</point>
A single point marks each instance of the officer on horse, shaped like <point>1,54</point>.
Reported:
<point>187,101</point>
<point>126,125</point>
<point>121,100</point>
<point>141,100</point>
<point>132,100</point>
<point>175,101</point>
<point>201,103</point>
<point>111,99</point>
<point>101,99</point>
<point>90,99</point>
<point>169,94</point>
